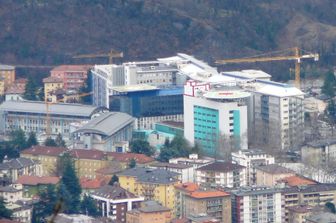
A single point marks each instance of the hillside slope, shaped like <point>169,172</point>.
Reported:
<point>51,32</point>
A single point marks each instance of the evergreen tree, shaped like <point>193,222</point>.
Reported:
<point>63,159</point>
<point>4,212</point>
<point>329,84</point>
<point>30,90</point>
<point>59,141</point>
<point>71,183</point>
<point>132,163</point>
<point>178,147</point>
<point>46,204</point>
<point>89,207</point>
<point>65,198</point>
<point>50,142</point>
<point>142,147</point>
<point>18,139</point>
<point>113,180</point>
<point>331,207</point>
<point>31,141</point>
<point>331,111</point>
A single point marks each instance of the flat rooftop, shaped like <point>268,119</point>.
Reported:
<point>134,88</point>
<point>39,107</point>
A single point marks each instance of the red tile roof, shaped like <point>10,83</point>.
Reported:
<point>126,157</point>
<point>208,194</point>
<point>72,68</point>
<point>93,183</point>
<point>35,180</point>
<point>87,154</point>
<point>110,170</point>
<point>44,150</point>
<point>188,187</point>
<point>21,80</point>
<point>7,221</point>
<point>297,181</point>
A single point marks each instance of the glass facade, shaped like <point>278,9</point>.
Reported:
<point>206,128</point>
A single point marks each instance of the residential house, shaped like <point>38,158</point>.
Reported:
<point>51,84</point>
<point>16,90</point>
<point>7,72</point>
<point>322,217</point>
<point>33,184</point>
<point>186,172</point>
<point>90,185</point>
<point>11,194</point>
<point>22,211</point>
<point>269,175</point>
<point>225,174</point>
<point>114,201</point>
<point>299,213</point>
<point>17,167</point>
<point>150,211</point>
<point>251,159</point>
<point>46,155</point>
<point>319,152</point>
<point>152,184</point>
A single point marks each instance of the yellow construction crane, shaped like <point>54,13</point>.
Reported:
<point>48,130</point>
<point>297,57</point>
<point>112,54</point>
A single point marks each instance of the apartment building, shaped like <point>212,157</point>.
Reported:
<point>150,211</point>
<point>31,116</point>
<point>192,200</point>
<point>47,156</point>
<point>114,201</point>
<point>7,73</point>
<point>257,205</point>
<point>152,184</point>
<point>250,159</point>
<point>73,76</point>
<point>313,195</point>
<point>270,175</point>
<point>215,117</point>
<point>16,90</point>
<point>224,174</point>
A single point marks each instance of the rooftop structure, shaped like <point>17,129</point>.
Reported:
<point>35,180</point>
<point>293,181</point>
<point>323,217</point>
<point>6,67</point>
<point>152,176</point>
<point>274,169</point>
<point>44,150</point>
<point>220,167</point>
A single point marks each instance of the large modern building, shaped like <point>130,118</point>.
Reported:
<point>215,117</point>
<point>105,132</point>
<point>31,116</point>
<point>251,159</point>
<point>148,104</point>
<point>257,205</point>
<point>276,114</point>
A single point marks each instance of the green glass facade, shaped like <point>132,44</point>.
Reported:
<point>206,128</point>
<point>236,123</point>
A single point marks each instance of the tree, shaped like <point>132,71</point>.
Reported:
<point>31,141</point>
<point>87,88</point>
<point>30,90</point>
<point>132,163</point>
<point>50,142</point>
<point>178,147</point>
<point>59,141</point>
<point>89,207</point>
<point>71,183</point>
<point>113,180</point>
<point>65,198</point>
<point>331,207</point>
<point>61,162</point>
<point>4,212</point>
<point>329,84</point>
<point>46,204</point>
<point>142,147</point>
<point>18,139</point>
